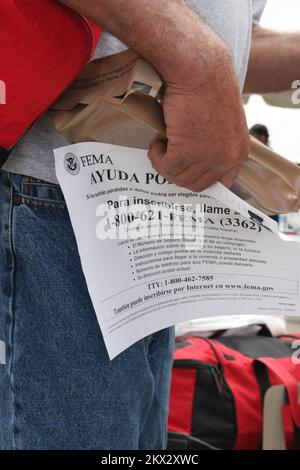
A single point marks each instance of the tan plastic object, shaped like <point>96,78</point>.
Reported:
<point>117,100</point>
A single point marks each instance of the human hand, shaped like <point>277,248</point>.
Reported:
<point>207,134</point>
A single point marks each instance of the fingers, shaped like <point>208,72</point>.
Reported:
<point>192,173</point>
<point>207,179</point>
<point>229,178</point>
<point>165,164</point>
<point>194,177</point>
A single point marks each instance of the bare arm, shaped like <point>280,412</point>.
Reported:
<point>274,61</point>
<point>206,127</point>
<point>162,31</point>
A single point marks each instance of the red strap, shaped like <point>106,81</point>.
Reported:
<point>283,377</point>
<point>288,427</point>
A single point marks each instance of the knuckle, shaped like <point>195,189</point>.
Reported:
<point>180,181</point>
<point>172,165</point>
<point>235,156</point>
<point>169,168</point>
<point>230,158</point>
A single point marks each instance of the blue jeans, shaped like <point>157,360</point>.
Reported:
<point>58,388</point>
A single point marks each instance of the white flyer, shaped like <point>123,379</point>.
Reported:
<point>155,255</point>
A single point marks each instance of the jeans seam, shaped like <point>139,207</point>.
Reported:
<point>12,321</point>
<point>26,184</point>
<point>42,184</point>
<point>156,336</point>
<point>46,203</point>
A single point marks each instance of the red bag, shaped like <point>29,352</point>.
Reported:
<point>44,45</point>
<point>218,388</point>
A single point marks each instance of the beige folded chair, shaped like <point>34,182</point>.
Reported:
<point>273,431</point>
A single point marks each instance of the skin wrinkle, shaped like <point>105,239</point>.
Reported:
<point>176,23</point>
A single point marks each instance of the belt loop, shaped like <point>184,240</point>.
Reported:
<point>15,182</point>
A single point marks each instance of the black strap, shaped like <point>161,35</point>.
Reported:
<point>4,153</point>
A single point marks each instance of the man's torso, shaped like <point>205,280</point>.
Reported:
<point>230,19</point>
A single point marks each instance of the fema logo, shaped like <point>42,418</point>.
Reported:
<point>71,164</point>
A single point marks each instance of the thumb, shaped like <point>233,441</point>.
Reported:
<point>157,151</point>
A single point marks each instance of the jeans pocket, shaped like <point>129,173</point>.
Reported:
<point>39,193</point>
